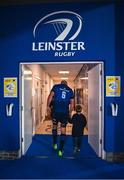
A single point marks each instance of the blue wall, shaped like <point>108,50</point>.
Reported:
<point>99,33</point>
<point>119,54</point>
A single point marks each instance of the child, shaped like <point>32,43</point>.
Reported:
<point>79,122</point>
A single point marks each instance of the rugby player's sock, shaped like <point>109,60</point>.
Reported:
<point>62,142</point>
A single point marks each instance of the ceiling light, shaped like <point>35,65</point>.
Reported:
<point>28,78</point>
<point>84,78</point>
<point>64,78</point>
<point>27,72</point>
<point>36,77</point>
<point>63,72</point>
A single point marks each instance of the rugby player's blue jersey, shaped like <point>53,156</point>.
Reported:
<point>62,96</point>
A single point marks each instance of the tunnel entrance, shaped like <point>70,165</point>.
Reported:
<point>36,80</point>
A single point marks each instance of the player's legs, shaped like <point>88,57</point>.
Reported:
<point>63,120</point>
<point>54,133</point>
<point>62,137</point>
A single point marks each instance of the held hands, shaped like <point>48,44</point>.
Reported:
<point>70,114</point>
<point>70,117</point>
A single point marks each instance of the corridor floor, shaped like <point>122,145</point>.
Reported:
<point>40,162</point>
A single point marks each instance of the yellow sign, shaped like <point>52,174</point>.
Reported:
<point>112,86</point>
<point>10,87</point>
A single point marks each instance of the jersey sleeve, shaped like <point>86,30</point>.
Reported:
<point>71,120</point>
<point>84,121</point>
<point>53,88</point>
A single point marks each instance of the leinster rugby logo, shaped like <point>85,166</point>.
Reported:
<point>65,27</point>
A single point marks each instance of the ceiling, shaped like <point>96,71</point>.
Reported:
<point>74,68</point>
<point>53,70</point>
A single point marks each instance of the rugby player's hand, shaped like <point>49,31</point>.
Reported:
<point>48,113</point>
<point>70,114</point>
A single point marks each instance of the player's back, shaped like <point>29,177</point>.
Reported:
<point>62,96</point>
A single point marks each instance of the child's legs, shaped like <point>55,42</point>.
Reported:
<point>79,142</point>
<point>75,143</point>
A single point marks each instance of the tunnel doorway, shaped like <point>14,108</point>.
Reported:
<point>87,78</point>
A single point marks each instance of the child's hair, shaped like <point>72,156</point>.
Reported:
<point>78,108</point>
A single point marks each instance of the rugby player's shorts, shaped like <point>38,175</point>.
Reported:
<point>60,117</point>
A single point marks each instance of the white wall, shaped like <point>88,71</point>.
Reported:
<point>41,81</point>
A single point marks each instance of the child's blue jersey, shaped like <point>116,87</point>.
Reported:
<point>62,96</point>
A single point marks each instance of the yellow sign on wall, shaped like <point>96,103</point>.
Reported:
<point>112,86</point>
<point>10,87</point>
